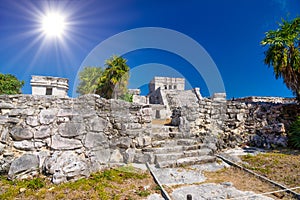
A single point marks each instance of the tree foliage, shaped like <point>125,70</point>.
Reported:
<point>294,134</point>
<point>114,80</point>
<point>9,84</point>
<point>89,78</point>
<point>283,53</point>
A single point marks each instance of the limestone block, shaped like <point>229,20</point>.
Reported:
<point>97,124</point>
<point>60,143</point>
<point>123,142</point>
<point>4,105</point>
<point>133,133</point>
<point>116,157</point>
<point>100,156</point>
<point>140,141</point>
<point>39,144</point>
<point>147,140</point>
<point>2,146</point>
<point>129,155</point>
<point>240,117</point>
<point>32,121</point>
<point>16,112</point>
<point>27,163</point>
<point>143,158</point>
<point>42,155</point>
<point>20,133</point>
<point>71,129</point>
<point>65,166</point>
<point>134,126</point>
<point>42,132</point>
<point>66,113</point>
<point>24,145</point>
<point>94,140</point>
<point>4,135</point>
<point>47,116</point>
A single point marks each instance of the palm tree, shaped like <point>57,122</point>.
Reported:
<point>113,82</point>
<point>89,78</point>
<point>283,53</point>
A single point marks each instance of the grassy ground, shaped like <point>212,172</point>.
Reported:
<point>245,182</point>
<point>122,183</point>
<point>282,166</point>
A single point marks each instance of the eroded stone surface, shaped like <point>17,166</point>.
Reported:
<point>65,166</point>
<point>214,191</point>
<point>27,163</point>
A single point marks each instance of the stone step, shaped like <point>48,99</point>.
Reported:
<point>164,129</point>
<point>198,152</point>
<point>186,142</point>
<point>195,160</point>
<point>186,161</point>
<point>160,136</point>
<point>181,142</point>
<point>166,135</point>
<point>160,129</point>
<point>163,150</point>
<point>167,156</point>
<point>176,149</point>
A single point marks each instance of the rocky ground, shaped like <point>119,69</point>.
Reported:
<point>215,181</point>
<point>180,182</point>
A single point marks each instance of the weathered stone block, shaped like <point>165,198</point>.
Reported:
<point>32,121</point>
<point>123,142</point>
<point>42,132</point>
<point>65,166</point>
<point>60,143</point>
<point>143,158</point>
<point>22,165</point>
<point>97,124</point>
<point>47,116</point>
<point>95,140</point>
<point>71,129</point>
<point>100,156</point>
<point>4,105</point>
<point>24,145</point>
<point>116,157</point>
<point>20,133</point>
<point>129,155</point>
<point>4,135</point>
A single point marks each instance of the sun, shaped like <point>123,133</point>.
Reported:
<point>53,25</point>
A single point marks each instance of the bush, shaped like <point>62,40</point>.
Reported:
<point>294,134</point>
<point>9,84</point>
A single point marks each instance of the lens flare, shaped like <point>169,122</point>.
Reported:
<point>53,25</point>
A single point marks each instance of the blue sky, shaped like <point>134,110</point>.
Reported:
<point>229,30</point>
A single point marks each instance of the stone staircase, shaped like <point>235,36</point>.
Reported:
<point>172,148</point>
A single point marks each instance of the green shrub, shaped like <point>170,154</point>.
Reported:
<point>294,134</point>
<point>36,183</point>
<point>127,97</point>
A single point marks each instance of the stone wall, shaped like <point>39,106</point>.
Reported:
<point>257,121</point>
<point>69,138</point>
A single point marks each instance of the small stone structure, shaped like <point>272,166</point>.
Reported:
<point>166,83</point>
<point>159,85</point>
<point>48,85</point>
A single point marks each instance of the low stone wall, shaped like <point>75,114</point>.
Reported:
<point>258,121</point>
<point>69,138</point>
